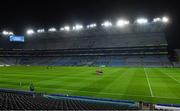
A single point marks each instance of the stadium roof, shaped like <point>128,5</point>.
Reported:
<point>106,24</point>
<point>17,17</point>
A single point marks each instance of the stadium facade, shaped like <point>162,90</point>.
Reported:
<point>131,45</point>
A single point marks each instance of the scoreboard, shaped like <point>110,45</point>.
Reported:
<point>14,38</point>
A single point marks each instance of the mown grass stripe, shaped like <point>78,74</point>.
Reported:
<point>171,77</point>
<point>135,84</point>
<point>150,89</point>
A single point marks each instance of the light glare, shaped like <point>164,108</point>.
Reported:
<point>157,20</point>
<point>61,29</point>
<point>30,31</point>
<point>67,28</point>
<point>77,27</point>
<point>165,19</point>
<point>11,33</point>
<point>142,21</point>
<point>107,24</point>
<point>121,23</point>
<point>52,29</point>
<point>91,26</point>
<point>40,30</point>
<point>5,32</point>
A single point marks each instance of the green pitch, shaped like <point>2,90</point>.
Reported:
<point>157,85</point>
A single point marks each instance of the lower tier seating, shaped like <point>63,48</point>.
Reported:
<point>19,101</point>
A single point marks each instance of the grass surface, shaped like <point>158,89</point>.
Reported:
<point>157,85</point>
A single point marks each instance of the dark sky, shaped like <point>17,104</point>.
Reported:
<point>20,15</point>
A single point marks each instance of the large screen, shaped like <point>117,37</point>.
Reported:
<point>14,38</point>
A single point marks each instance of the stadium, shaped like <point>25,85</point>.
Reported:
<point>118,65</point>
<point>89,55</point>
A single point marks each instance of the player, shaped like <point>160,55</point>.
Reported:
<point>31,87</point>
<point>49,67</point>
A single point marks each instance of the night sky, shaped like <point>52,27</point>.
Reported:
<point>18,16</point>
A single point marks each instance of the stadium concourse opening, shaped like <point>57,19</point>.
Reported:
<point>61,68</point>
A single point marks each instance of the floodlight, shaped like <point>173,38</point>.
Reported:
<point>121,23</point>
<point>91,26</point>
<point>107,24</point>
<point>52,29</point>
<point>5,32</point>
<point>30,31</point>
<point>40,30</point>
<point>142,21</point>
<point>77,27</point>
<point>61,29</point>
<point>157,20</point>
<point>10,33</point>
<point>67,28</point>
<point>165,19</point>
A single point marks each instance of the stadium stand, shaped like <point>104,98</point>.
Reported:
<point>135,45</point>
<point>127,40</point>
<point>176,62</point>
<point>149,61</point>
<point>19,100</point>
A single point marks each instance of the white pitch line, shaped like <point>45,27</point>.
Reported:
<point>148,83</point>
<point>171,77</point>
